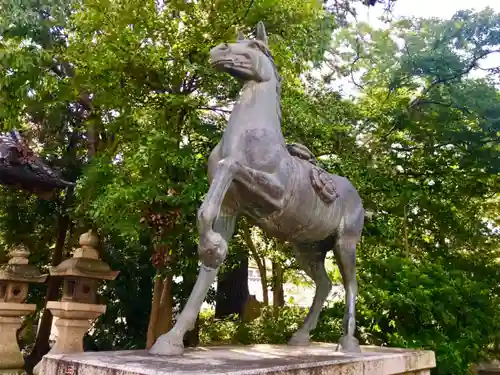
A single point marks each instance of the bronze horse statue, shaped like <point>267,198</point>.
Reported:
<point>253,172</point>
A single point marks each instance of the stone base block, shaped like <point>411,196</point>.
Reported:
<point>316,359</point>
<point>488,368</point>
<point>10,354</point>
<point>73,321</point>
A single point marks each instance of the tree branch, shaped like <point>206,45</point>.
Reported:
<point>439,81</point>
<point>215,109</point>
<point>448,105</point>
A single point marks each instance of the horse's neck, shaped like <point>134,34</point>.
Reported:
<point>258,106</point>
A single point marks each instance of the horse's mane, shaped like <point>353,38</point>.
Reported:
<point>264,48</point>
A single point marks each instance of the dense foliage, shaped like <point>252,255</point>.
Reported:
<point>120,97</point>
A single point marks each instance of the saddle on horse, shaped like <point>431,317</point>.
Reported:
<point>322,181</point>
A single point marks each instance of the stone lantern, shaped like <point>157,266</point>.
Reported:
<point>79,306</point>
<point>15,277</point>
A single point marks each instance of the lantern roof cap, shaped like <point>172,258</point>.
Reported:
<point>85,261</point>
<point>18,268</point>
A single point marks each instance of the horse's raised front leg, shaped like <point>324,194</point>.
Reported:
<point>311,258</point>
<point>171,343</point>
<point>264,185</point>
<point>345,255</point>
<point>216,227</point>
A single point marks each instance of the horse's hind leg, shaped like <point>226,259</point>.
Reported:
<point>345,255</point>
<point>311,258</point>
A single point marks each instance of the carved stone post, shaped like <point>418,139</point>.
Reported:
<point>15,277</point>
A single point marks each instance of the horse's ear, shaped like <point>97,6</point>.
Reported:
<point>240,35</point>
<point>261,32</point>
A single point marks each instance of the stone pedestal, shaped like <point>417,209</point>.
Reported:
<point>11,357</point>
<point>316,359</point>
<point>10,321</point>
<point>74,320</point>
<point>492,368</point>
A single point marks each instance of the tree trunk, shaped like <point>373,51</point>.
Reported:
<point>261,262</point>
<point>160,318</point>
<point>164,322</point>
<point>92,140</point>
<point>405,232</point>
<point>278,292</point>
<point>263,283</point>
<point>232,288</point>
<point>42,346</point>
<point>155,310</point>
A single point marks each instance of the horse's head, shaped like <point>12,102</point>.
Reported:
<point>249,60</point>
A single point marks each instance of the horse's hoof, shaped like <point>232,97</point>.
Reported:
<point>299,339</point>
<point>349,344</point>
<point>168,345</point>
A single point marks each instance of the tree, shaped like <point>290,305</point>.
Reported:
<point>127,106</point>
<point>426,128</point>
<point>37,95</point>
<point>258,256</point>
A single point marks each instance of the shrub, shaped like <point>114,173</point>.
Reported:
<point>425,304</point>
<point>450,307</point>
<point>274,326</point>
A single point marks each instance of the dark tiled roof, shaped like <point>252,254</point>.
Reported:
<point>21,168</point>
